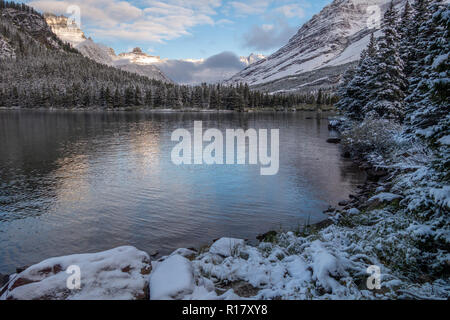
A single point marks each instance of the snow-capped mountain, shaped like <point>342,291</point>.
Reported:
<point>252,58</point>
<point>135,61</point>
<point>136,56</point>
<point>320,52</point>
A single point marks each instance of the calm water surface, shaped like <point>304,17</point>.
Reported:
<point>76,182</point>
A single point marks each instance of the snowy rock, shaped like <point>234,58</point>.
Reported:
<point>172,279</point>
<point>353,211</point>
<point>187,253</point>
<point>117,274</point>
<point>385,197</point>
<point>67,30</point>
<point>252,58</point>
<point>226,247</point>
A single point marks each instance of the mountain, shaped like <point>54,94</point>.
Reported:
<point>136,56</point>
<point>37,69</point>
<point>320,52</point>
<point>67,30</point>
<point>135,62</point>
<point>252,58</point>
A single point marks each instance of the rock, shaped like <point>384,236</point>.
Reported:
<point>244,255</point>
<point>21,269</point>
<point>187,253</point>
<point>334,140</point>
<point>241,289</point>
<point>172,279</point>
<point>374,174</point>
<point>330,209</point>
<point>385,197</point>
<point>117,274</point>
<point>267,237</point>
<point>381,199</point>
<point>154,253</point>
<point>353,211</point>
<point>4,278</point>
<point>344,203</point>
<point>346,155</point>
<point>323,224</point>
<point>227,247</point>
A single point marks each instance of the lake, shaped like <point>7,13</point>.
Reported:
<point>78,182</point>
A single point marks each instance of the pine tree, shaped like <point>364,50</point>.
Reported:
<point>429,101</point>
<point>356,91</point>
<point>137,96</point>
<point>418,45</point>
<point>388,85</point>
<point>406,29</point>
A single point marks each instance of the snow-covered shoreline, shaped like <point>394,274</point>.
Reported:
<point>329,261</point>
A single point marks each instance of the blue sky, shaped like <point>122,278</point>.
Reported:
<point>190,29</point>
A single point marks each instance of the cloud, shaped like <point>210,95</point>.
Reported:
<point>214,69</point>
<point>268,37</point>
<point>156,21</point>
<point>291,11</point>
<point>254,7</point>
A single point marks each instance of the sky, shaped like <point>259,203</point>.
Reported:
<point>190,29</point>
<point>217,32</point>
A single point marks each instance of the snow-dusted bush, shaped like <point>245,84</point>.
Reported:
<point>372,135</point>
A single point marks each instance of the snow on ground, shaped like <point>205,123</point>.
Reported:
<point>445,140</point>
<point>226,247</point>
<point>118,274</point>
<point>172,278</point>
<point>385,197</point>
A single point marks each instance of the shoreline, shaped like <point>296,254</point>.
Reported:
<point>169,110</point>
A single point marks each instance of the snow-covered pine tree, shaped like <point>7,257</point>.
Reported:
<point>418,42</point>
<point>343,92</point>
<point>429,101</point>
<point>388,85</point>
<point>406,30</point>
<point>355,94</point>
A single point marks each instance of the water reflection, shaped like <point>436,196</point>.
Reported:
<point>75,182</point>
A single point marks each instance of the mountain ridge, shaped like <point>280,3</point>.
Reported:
<point>69,32</point>
<point>318,54</point>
